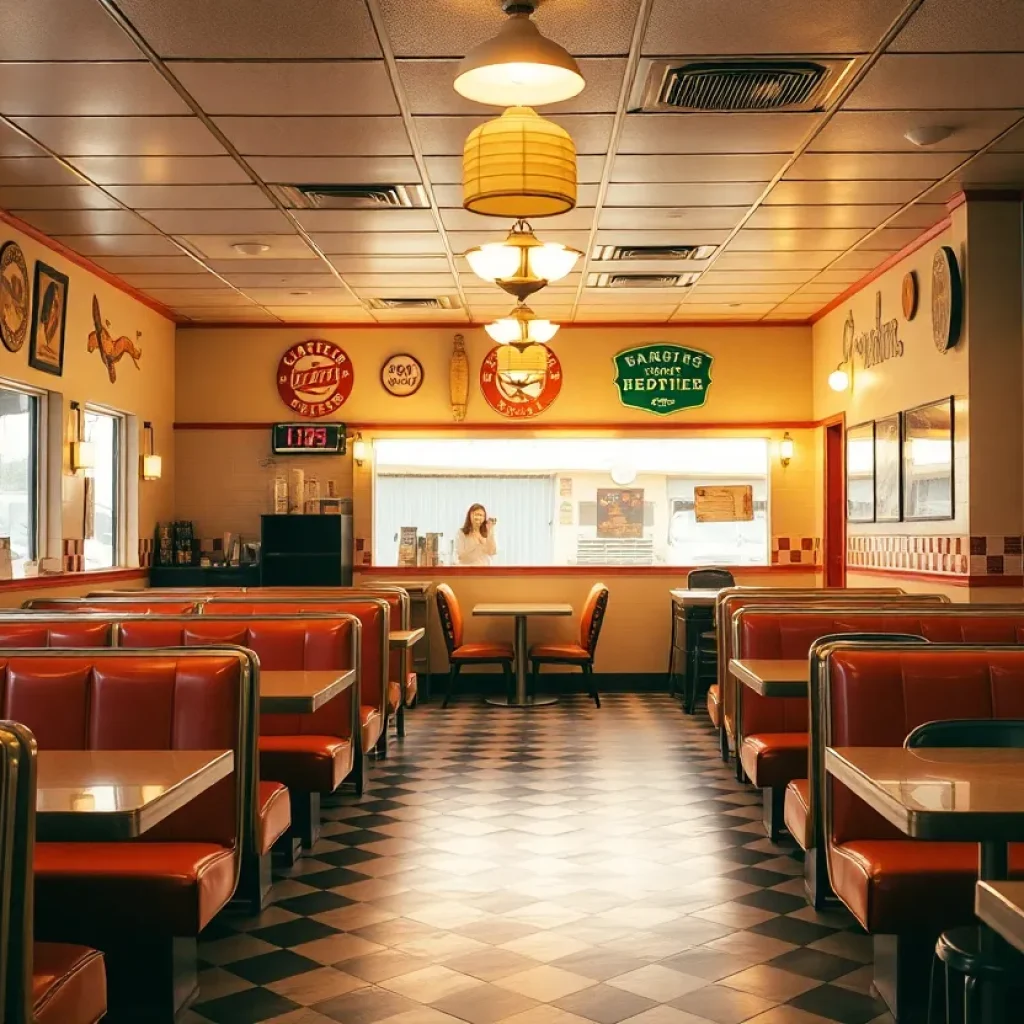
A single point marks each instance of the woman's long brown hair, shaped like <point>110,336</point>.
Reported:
<point>467,526</point>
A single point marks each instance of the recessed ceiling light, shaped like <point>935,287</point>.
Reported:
<point>928,135</point>
<point>250,248</point>
<point>300,293</point>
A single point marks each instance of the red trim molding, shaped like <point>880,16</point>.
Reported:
<point>519,427</point>
<point>947,579</point>
<point>673,571</point>
<point>322,325</point>
<point>73,579</point>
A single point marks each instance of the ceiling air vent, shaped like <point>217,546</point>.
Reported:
<point>740,85</point>
<point>437,302</point>
<point>351,197</point>
<point>607,253</point>
<point>641,280</point>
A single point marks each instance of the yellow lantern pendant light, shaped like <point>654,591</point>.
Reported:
<point>521,327</point>
<point>519,166</point>
<point>522,264</point>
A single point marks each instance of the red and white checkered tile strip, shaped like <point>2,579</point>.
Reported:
<point>796,551</point>
<point>958,555</point>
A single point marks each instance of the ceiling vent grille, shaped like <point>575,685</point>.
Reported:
<point>610,253</point>
<point>351,197</point>
<point>740,85</point>
<point>641,280</point>
<point>398,302</point>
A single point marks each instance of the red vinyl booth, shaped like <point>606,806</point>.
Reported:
<point>42,631</point>
<point>126,606</point>
<point>142,901</point>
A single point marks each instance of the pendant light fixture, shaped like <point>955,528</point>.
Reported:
<point>522,264</point>
<point>518,66</point>
<point>521,327</point>
<point>519,166</point>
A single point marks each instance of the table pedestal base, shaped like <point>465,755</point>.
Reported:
<point>530,702</point>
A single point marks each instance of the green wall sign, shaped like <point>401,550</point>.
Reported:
<point>663,378</point>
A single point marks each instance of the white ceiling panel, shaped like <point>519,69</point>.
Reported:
<point>413,27</point>
<point>394,283</point>
<point>319,297</point>
<point>843,277</point>
<point>713,133</point>
<point>777,259</point>
<point>871,193</point>
<point>446,136</point>
<point>391,264</point>
<point>690,218</point>
<point>641,169</point>
<point>160,170</point>
<point>947,81</point>
<point>287,282</point>
<point>306,29</point>
<point>366,220</point>
<point>778,291</point>
<point>125,265</point>
<point>1013,143</point>
<point>226,314</point>
<point>289,89</point>
<point>84,222</point>
<point>712,193</point>
<point>890,239</point>
<point>170,282</point>
<point>196,298</point>
<point>450,196</point>
<point>638,237</point>
<point>239,222</point>
<point>794,239</point>
<point>696,308</point>
<point>820,216</point>
<point>282,247</point>
<point>62,30</point>
<point>497,227</point>
<point>337,170</point>
<point>259,266</point>
<point>119,245</point>
<point>783,26</point>
<point>54,197</point>
<point>122,136</point>
<point>384,243</point>
<point>994,169</point>
<point>920,216</point>
<point>320,136</point>
<point>191,197</point>
<point>70,89</point>
<point>14,144</point>
<point>883,131</point>
<point>875,166</point>
<point>742,278</point>
<point>322,314</point>
<point>962,25</point>
<point>859,259</point>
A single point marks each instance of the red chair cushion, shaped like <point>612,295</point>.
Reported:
<point>273,814</point>
<point>394,696</point>
<point>797,812</point>
<point>412,687</point>
<point>774,758</point>
<point>37,632</point>
<point>568,652</point>
<point>714,705</point>
<point>131,887</point>
<point>483,652</point>
<point>69,984</point>
<point>306,764</point>
<point>372,724</point>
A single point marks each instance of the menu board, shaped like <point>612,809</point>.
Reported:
<point>733,504</point>
<point>620,512</point>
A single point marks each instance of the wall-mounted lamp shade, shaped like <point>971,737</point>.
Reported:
<point>83,455</point>
<point>518,65</point>
<point>839,379</point>
<point>519,165</point>
<point>521,366</point>
<point>521,327</point>
<point>360,450</point>
<point>786,449</point>
<point>152,467</point>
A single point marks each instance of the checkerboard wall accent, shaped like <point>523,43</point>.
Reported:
<point>73,555</point>
<point>953,554</point>
<point>796,551</point>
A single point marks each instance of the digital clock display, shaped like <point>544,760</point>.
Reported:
<point>309,439</point>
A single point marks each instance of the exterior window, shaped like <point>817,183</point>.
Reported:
<point>19,476</point>
<point>103,503</point>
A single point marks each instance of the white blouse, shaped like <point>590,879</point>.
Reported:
<point>472,549</point>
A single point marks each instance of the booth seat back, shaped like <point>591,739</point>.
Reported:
<point>372,612</point>
<point>128,700</point>
<point>128,606</point>
<point>874,696</point>
<point>30,631</point>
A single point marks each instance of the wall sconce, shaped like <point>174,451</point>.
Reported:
<point>152,464</point>
<point>839,378</point>
<point>785,449</point>
<point>360,449</point>
<point>83,456</point>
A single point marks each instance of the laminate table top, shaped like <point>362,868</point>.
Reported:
<point>769,678</point>
<point>399,639</point>
<point>694,598</point>
<point>1000,905</point>
<point>519,608</point>
<point>288,692</point>
<point>104,795</point>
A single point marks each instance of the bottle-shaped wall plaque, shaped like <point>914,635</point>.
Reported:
<point>458,379</point>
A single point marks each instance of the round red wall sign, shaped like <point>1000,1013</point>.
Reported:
<point>315,378</point>
<point>519,401</point>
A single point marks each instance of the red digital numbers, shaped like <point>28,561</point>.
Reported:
<point>299,437</point>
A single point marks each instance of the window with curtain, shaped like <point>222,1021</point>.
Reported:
<point>104,431</point>
<point>19,475</point>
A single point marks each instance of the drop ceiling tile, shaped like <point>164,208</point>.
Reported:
<point>337,170</point>
<point>496,228</point>
<point>779,291</point>
<point>877,166</point>
<point>318,297</point>
<point>299,279</point>
<point>890,239</point>
<point>816,291</point>
<point>883,131</point>
<point>322,314</point>
<point>171,282</point>
<point>446,136</point>
<point>366,220</point>
<point>777,259</point>
<point>78,89</point>
<point>637,237</point>
<point>14,144</point>
<point>784,26</point>
<point>428,86</point>
<point>685,194</point>
<point>125,265</point>
<point>797,193</point>
<point>859,259</point>
<point>119,245</point>
<point>957,26</point>
<point>218,247</point>
<point>460,241</point>
<point>238,222</point>
<point>1013,143</point>
<point>994,169</point>
<point>307,29</point>
<point>447,170</point>
<point>413,28</point>
<point>947,81</point>
<point>228,314</point>
<point>593,311</point>
<point>160,170</point>
<point>321,136</point>
<point>383,243</point>
<point>400,291</point>
<point>842,277</point>
<point>689,219</point>
<point>196,298</point>
<point>713,133</point>
<point>800,309</point>
<point>62,30</point>
<point>640,169</point>
<point>122,136</point>
<point>396,282</point>
<point>54,197</point>
<point>742,278</point>
<point>629,297</point>
<point>421,316</point>
<point>692,308</point>
<point>288,88</point>
<point>450,196</point>
<point>238,266</point>
<point>83,222</point>
<point>191,197</point>
<point>920,216</point>
<point>391,264</point>
<point>795,239</point>
<point>820,216</point>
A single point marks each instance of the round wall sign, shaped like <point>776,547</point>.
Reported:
<point>909,295</point>
<point>401,375</point>
<point>314,378</point>
<point>947,299</point>
<point>519,401</point>
<point>13,296</point>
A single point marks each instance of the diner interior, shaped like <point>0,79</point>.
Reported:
<point>511,512</point>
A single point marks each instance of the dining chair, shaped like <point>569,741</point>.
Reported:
<point>967,950</point>
<point>579,654</point>
<point>704,657</point>
<point>460,653</point>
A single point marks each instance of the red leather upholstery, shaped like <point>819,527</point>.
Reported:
<point>715,705</point>
<point>482,652</point>
<point>451,617</point>
<point>140,606</point>
<point>890,883</point>
<point>412,686</point>
<point>567,651</point>
<point>273,814</point>
<point>797,812</point>
<point>394,696</point>
<point>775,758</point>
<point>69,984</point>
<point>307,763</point>
<point>34,633</point>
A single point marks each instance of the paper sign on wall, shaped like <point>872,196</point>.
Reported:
<point>620,512</point>
<point>733,504</point>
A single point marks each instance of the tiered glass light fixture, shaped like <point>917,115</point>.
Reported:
<point>521,327</point>
<point>522,264</point>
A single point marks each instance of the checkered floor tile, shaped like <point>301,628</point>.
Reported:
<point>562,865</point>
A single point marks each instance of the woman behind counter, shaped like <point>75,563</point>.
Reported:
<point>475,543</point>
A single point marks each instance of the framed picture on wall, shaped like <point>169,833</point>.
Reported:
<point>860,473</point>
<point>928,461</point>
<point>49,313</point>
<point>888,470</point>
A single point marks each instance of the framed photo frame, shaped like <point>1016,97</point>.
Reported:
<point>928,473</point>
<point>888,469</point>
<point>49,318</point>
<point>860,473</point>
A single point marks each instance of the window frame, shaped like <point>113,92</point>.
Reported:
<point>118,517</point>
<point>37,465</point>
